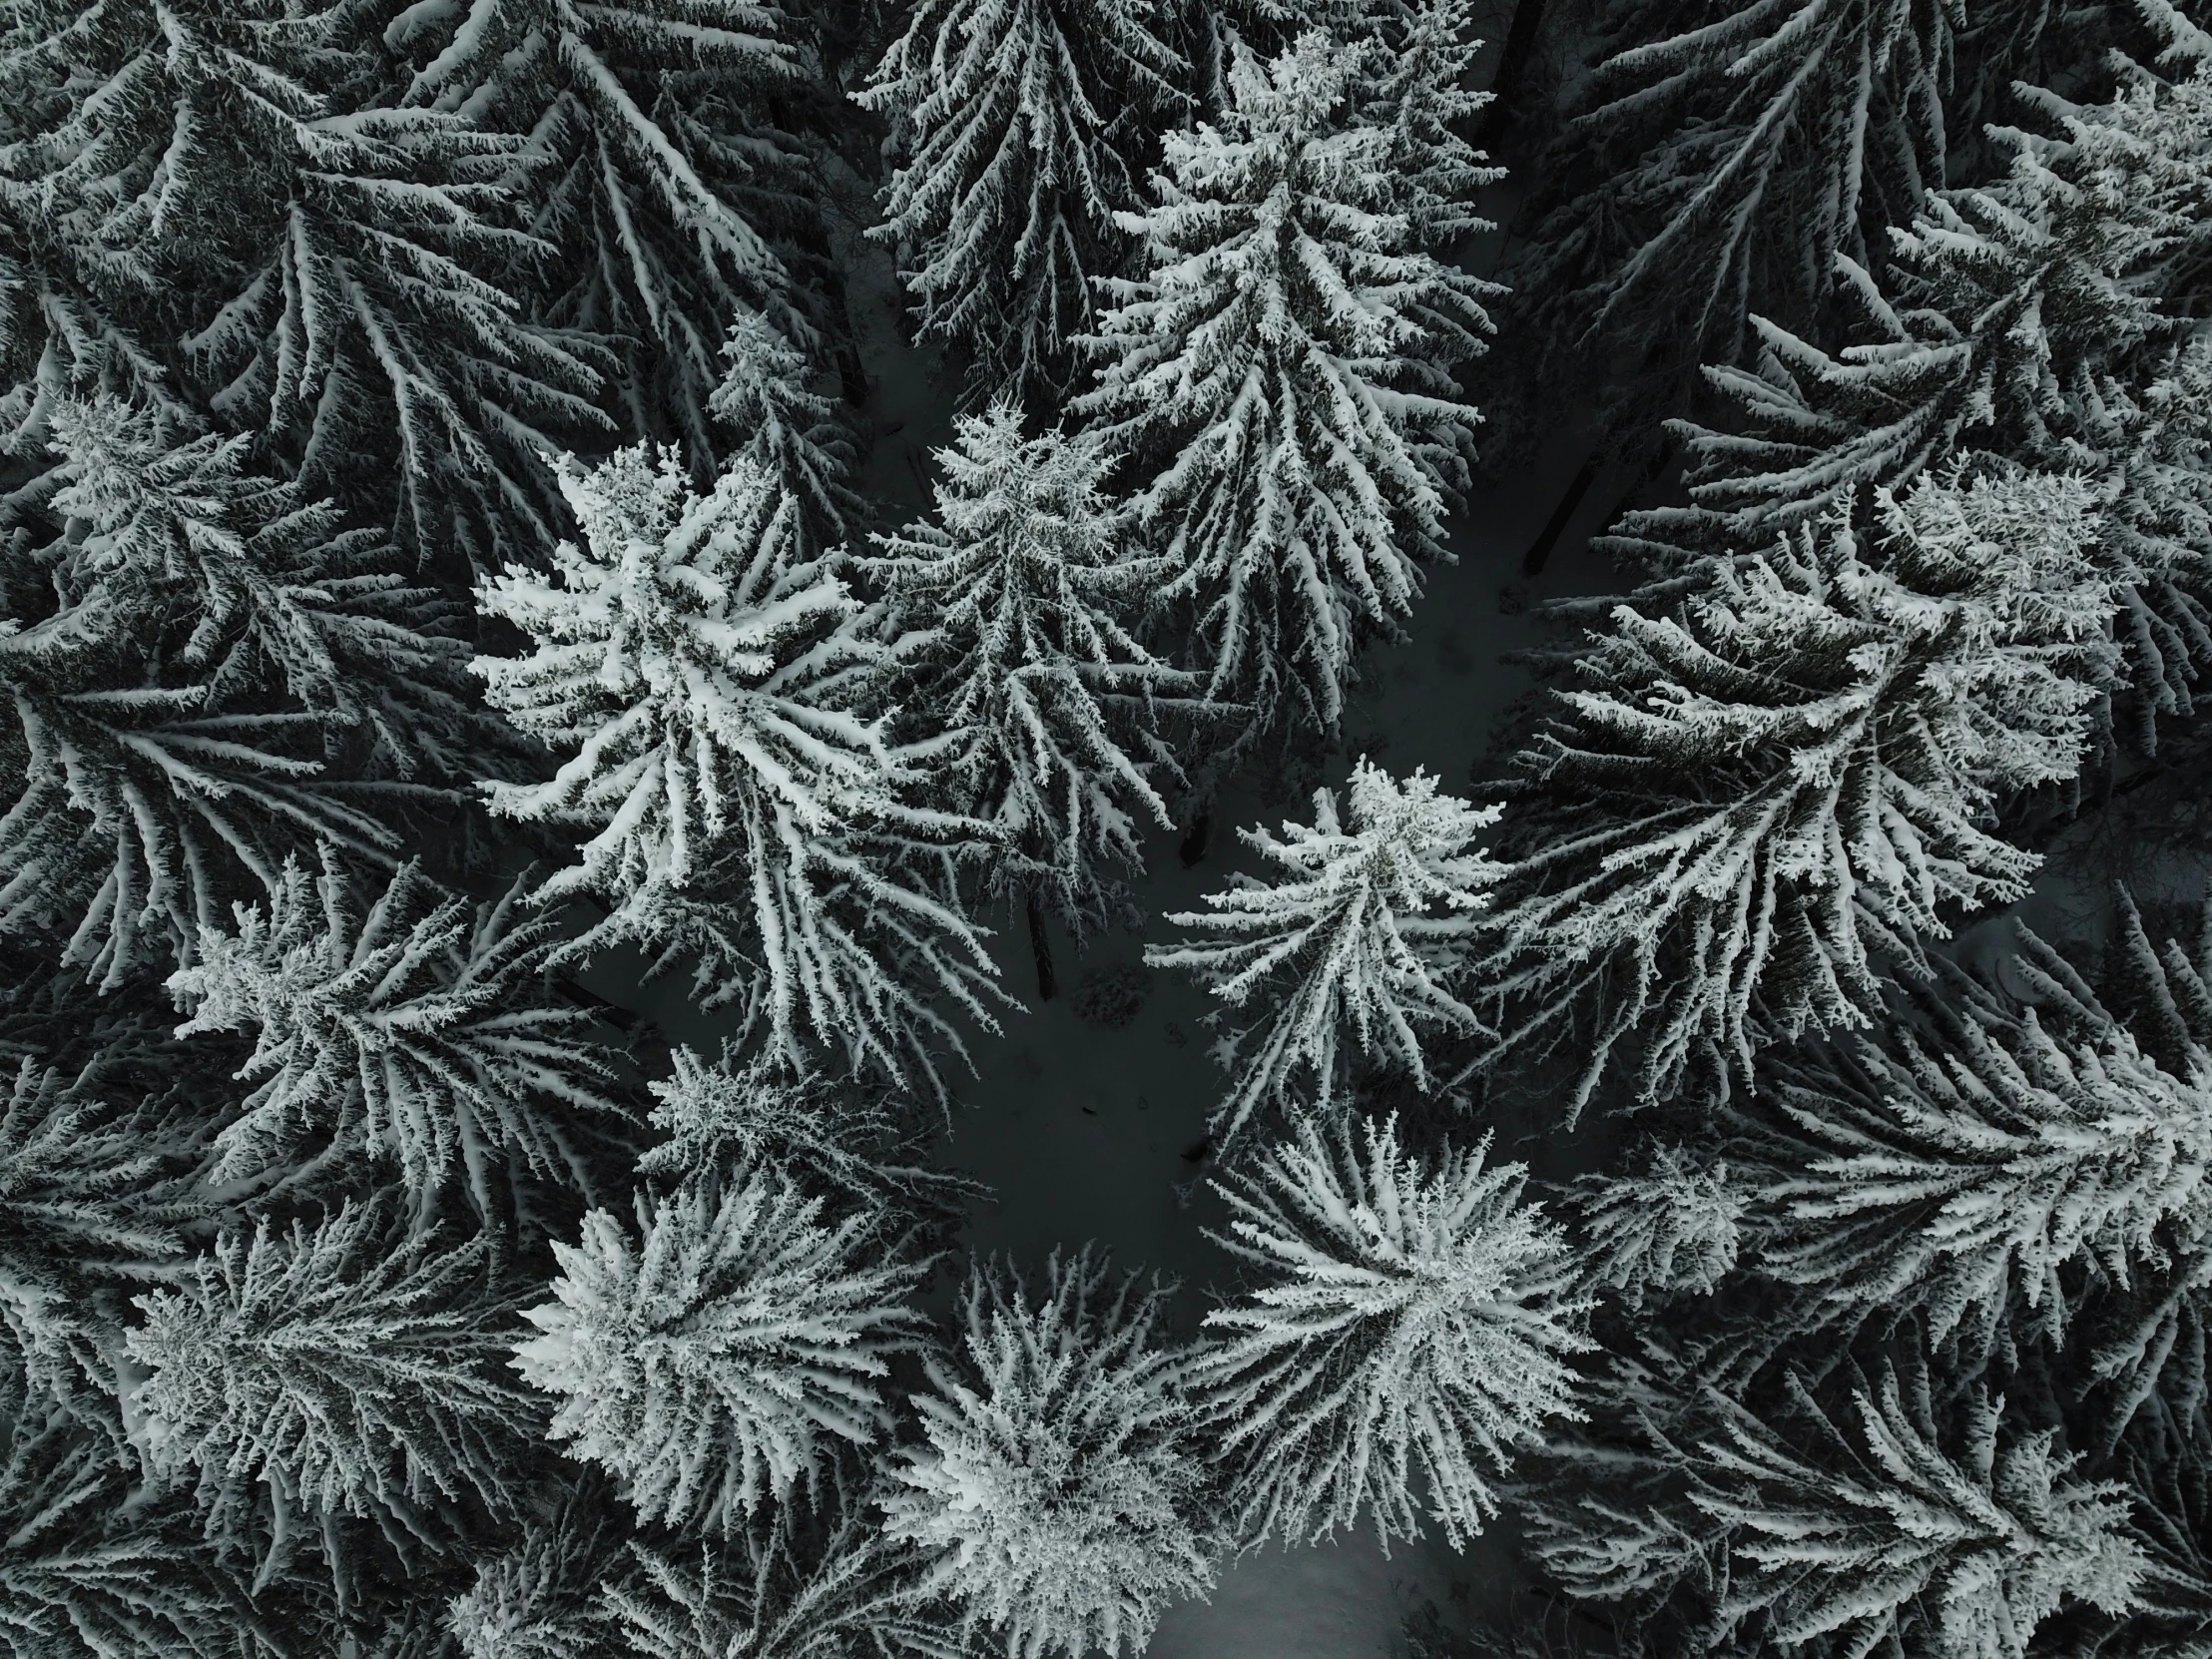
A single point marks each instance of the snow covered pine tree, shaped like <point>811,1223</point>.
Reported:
<point>716,1358</point>
<point>1018,614</point>
<point>742,805</point>
<point>1280,376</point>
<point>2044,318</point>
<point>1410,1331</point>
<point>1757,794</point>
<point>1060,1494</point>
<point>1019,125</point>
<point>1370,924</point>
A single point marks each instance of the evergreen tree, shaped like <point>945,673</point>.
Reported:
<point>841,1141</point>
<point>666,199</point>
<point>1890,1518</point>
<point>792,434</point>
<point>414,1033</point>
<point>91,1566</point>
<point>1424,54</point>
<point>739,804</point>
<point>1409,1332</point>
<point>334,1369</point>
<point>94,1196</point>
<point>1060,1494</point>
<point>204,671</point>
<point>1015,123</point>
<point>330,265</point>
<point>713,1358</point>
<point>1716,160</point>
<point>1281,374</point>
<point>535,1600</point>
<point>1673,1230</point>
<point>1369,923</point>
<point>1756,794</point>
<point>2042,317</point>
<point>1019,611</point>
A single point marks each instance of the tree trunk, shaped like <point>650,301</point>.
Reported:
<point>1194,842</point>
<point>1040,947</point>
<point>1547,538</point>
<point>1521,41</point>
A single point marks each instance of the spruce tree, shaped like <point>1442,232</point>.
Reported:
<point>1058,1496</point>
<point>2042,317</point>
<point>1424,54</point>
<point>1869,1512</point>
<point>720,1356</point>
<point>781,1590</point>
<point>1715,160</point>
<point>1019,613</point>
<point>665,197</point>
<point>227,209</point>
<point>327,1370</point>
<point>1750,798</point>
<point>206,670</point>
<point>790,432</point>
<point>739,801</point>
<point>1369,923</point>
<point>1959,1169</point>
<point>1674,1229</point>
<point>412,1032</point>
<point>1408,1330</point>
<point>96,1195</point>
<point>1017,124</point>
<point>1280,374</point>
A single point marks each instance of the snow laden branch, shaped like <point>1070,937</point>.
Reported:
<point>1017,124</point>
<point>417,1032</point>
<point>1366,919</point>
<point>339,1368</point>
<point>1672,1230</point>
<point>1885,1520</point>
<point>1956,1170</point>
<point>2044,318</point>
<point>737,803</point>
<point>779,1590</point>
<point>839,1141</point>
<point>718,1357</point>
<point>1281,374</point>
<point>1752,796</point>
<point>1018,612</point>
<point>205,670</point>
<point>1058,1496</point>
<point>1744,147</point>
<point>663,195</point>
<point>1409,1330</point>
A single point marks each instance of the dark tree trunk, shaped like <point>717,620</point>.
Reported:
<point>1040,947</point>
<point>1650,476</point>
<point>1547,538</point>
<point>1194,842</point>
<point>1521,41</point>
